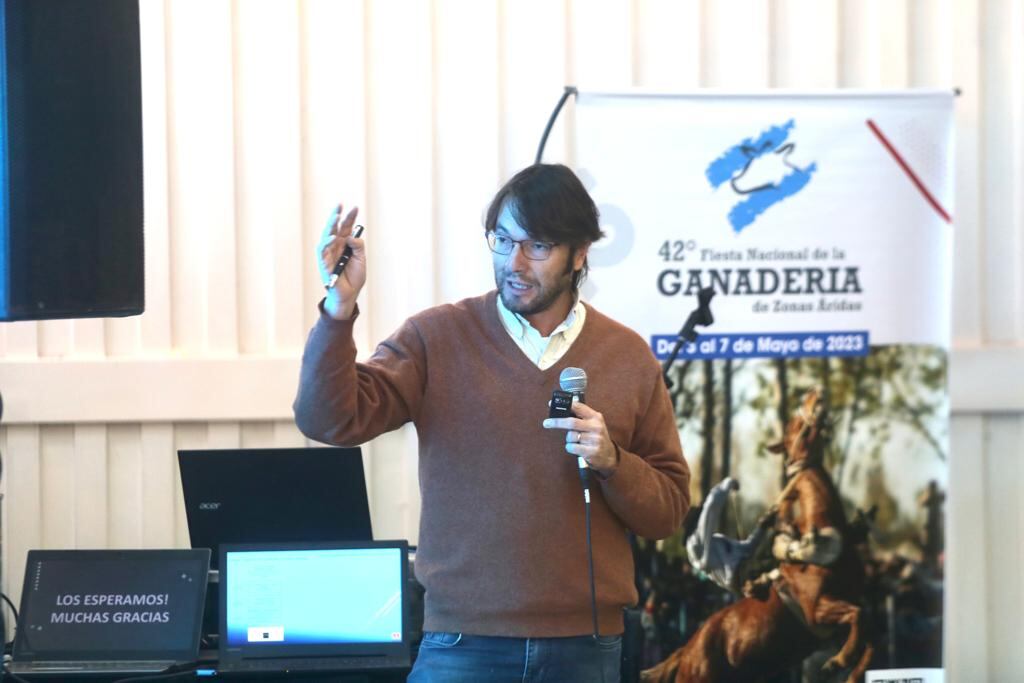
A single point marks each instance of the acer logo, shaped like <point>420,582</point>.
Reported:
<point>209,506</point>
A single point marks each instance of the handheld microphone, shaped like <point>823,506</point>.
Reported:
<point>574,382</point>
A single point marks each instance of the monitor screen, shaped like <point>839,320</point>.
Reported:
<point>313,599</point>
<point>109,604</point>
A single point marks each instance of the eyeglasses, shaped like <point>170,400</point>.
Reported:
<point>535,250</point>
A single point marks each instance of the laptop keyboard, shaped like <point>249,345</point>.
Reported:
<point>320,664</point>
<point>92,665</point>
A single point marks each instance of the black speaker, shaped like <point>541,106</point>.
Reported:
<point>71,143</point>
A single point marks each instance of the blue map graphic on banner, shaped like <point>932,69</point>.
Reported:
<point>735,163</point>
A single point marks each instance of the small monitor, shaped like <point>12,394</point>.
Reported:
<point>111,605</point>
<point>323,606</point>
<point>274,495</point>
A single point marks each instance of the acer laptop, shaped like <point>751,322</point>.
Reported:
<point>317,607</point>
<point>272,495</point>
<point>109,612</point>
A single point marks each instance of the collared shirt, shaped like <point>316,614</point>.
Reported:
<point>543,351</point>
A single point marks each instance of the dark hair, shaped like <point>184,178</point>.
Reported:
<point>551,204</point>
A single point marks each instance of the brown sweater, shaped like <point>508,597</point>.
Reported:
<point>502,543</point>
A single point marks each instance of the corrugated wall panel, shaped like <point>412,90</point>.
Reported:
<point>466,133</point>
<point>21,339</point>
<point>892,23</point>
<point>200,96</point>
<point>737,44</point>
<point>966,634</point>
<point>805,44</point>
<point>968,237</point>
<point>334,141</point>
<point>23,509</point>
<point>931,36</point>
<point>601,43</point>
<point>1002,136</point>
<point>187,436</point>
<point>1003,469</point>
<point>125,492</point>
<point>58,486</point>
<point>400,137</point>
<point>55,338</point>
<point>268,165</point>
<point>159,485</point>
<point>154,326</point>
<point>91,502</point>
<point>667,44</point>
<point>533,68</point>
<point>259,116</point>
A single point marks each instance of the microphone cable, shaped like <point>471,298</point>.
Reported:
<point>585,481</point>
<point>572,383</point>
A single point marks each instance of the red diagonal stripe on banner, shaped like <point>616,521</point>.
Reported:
<point>909,171</point>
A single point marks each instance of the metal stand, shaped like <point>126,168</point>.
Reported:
<point>699,316</point>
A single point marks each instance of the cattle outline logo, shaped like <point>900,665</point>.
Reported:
<point>735,163</point>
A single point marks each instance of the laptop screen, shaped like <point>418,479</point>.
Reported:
<point>300,600</point>
<point>112,605</point>
<point>274,495</point>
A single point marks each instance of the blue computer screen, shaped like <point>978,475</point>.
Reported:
<point>313,597</point>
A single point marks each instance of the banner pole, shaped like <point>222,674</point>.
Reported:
<point>569,90</point>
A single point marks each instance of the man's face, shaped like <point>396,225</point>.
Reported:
<point>530,287</point>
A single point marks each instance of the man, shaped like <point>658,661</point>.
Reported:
<point>502,545</point>
<point>721,558</point>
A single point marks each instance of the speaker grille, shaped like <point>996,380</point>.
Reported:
<point>73,187</point>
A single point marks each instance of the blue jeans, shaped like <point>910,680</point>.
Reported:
<point>464,658</point>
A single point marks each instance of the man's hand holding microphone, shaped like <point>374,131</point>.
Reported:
<point>586,434</point>
<point>587,437</point>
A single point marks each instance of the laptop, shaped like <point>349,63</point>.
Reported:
<point>274,495</point>
<point>109,612</point>
<point>302,607</point>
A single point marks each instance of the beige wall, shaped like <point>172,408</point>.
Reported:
<point>261,113</point>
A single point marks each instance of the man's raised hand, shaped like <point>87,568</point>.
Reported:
<point>341,298</point>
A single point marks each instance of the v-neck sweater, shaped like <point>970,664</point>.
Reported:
<point>502,540</point>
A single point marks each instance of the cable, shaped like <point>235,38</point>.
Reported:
<point>585,480</point>
<point>3,622</point>
<point>13,608</point>
<point>13,676</point>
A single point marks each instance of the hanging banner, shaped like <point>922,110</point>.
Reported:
<point>814,410</point>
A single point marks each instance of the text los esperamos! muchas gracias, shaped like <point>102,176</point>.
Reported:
<point>111,600</point>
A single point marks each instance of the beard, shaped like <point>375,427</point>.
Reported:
<point>540,297</point>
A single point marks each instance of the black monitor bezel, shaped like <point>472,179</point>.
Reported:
<point>204,534</point>
<point>201,556</point>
